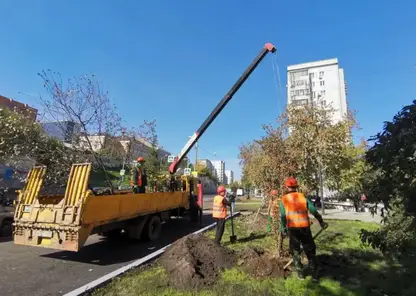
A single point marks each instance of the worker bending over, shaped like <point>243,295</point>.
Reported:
<point>138,178</point>
<point>219,212</point>
<point>295,222</point>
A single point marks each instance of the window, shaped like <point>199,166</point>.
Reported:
<point>313,84</point>
<point>312,75</point>
<point>297,92</point>
<point>322,82</point>
<point>314,94</point>
<point>323,103</point>
<point>322,93</point>
<point>292,92</point>
<point>321,74</point>
<point>301,92</point>
<point>300,102</point>
<point>300,73</point>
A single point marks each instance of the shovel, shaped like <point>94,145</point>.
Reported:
<point>301,250</point>
<point>233,237</point>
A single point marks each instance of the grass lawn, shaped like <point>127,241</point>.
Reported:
<point>251,206</point>
<point>348,268</point>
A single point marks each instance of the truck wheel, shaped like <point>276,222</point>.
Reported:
<point>6,228</point>
<point>113,233</point>
<point>152,229</point>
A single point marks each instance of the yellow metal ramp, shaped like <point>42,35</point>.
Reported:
<point>52,221</point>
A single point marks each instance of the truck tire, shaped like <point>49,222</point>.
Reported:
<point>152,229</point>
<point>6,228</point>
<point>113,233</point>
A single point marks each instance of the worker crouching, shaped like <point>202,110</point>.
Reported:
<point>295,221</point>
<point>219,212</point>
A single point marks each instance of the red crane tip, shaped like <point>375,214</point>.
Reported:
<point>270,47</point>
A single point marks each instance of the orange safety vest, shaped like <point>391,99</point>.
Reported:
<point>296,209</point>
<point>219,210</point>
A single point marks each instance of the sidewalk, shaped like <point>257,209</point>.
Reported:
<point>349,215</point>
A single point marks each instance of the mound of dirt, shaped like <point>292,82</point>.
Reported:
<point>196,261</point>
<point>258,264</point>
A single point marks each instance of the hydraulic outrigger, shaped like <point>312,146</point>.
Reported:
<point>268,47</point>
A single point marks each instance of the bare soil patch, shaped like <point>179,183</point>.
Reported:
<point>259,264</point>
<point>196,261</point>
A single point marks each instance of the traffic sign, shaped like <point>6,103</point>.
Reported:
<point>187,171</point>
<point>122,172</point>
<point>171,158</point>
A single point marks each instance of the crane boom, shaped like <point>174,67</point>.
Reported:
<point>268,47</point>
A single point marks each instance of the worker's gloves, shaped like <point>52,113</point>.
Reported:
<point>323,224</point>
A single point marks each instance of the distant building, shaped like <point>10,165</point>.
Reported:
<point>219,166</point>
<point>66,131</point>
<point>206,163</point>
<point>229,175</point>
<point>21,108</point>
<point>318,83</point>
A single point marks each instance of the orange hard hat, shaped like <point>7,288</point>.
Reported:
<point>140,159</point>
<point>291,182</point>
<point>220,189</point>
<point>274,192</point>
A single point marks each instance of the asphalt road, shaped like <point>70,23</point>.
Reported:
<point>45,272</point>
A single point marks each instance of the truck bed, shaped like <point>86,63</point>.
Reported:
<point>65,222</point>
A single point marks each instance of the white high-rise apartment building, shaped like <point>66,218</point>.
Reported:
<point>320,82</point>
<point>229,176</point>
<point>219,166</point>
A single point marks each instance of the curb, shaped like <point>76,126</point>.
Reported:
<point>104,279</point>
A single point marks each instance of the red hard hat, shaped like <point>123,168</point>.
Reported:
<point>140,159</point>
<point>274,192</point>
<point>291,182</point>
<point>220,189</point>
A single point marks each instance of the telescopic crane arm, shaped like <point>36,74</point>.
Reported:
<point>268,47</point>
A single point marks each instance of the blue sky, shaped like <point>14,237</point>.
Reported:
<point>174,60</point>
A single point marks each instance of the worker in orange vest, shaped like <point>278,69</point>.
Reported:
<point>294,210</point>
<point>219,212</point>
<point>272,210</point>
<point>138,179</point>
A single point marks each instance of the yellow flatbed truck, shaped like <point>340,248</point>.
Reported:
<point>66,221</point>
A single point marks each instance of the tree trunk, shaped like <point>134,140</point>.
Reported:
<point>277,231</point>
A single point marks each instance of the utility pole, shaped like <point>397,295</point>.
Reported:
<point>321,182</point>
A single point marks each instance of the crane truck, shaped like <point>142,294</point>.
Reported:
<point>65,221</point>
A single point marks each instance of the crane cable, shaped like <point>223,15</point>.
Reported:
<point>277,81</point>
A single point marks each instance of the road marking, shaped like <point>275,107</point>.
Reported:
<point>102,280</point>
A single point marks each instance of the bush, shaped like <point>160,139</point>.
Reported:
<point>396,236</point>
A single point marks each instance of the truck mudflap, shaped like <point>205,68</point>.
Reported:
<point>53,221</point>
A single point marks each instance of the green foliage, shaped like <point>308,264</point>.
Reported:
<point>20,137</point>
<point>397,236</point>
<point>148,132</point>
<point>234,186</point>
<point>392,180</point>
<point>393,158</point>
<point>304,143</point>
<point>205,172</point>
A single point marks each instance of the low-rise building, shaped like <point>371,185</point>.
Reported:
<point>19,107</point>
